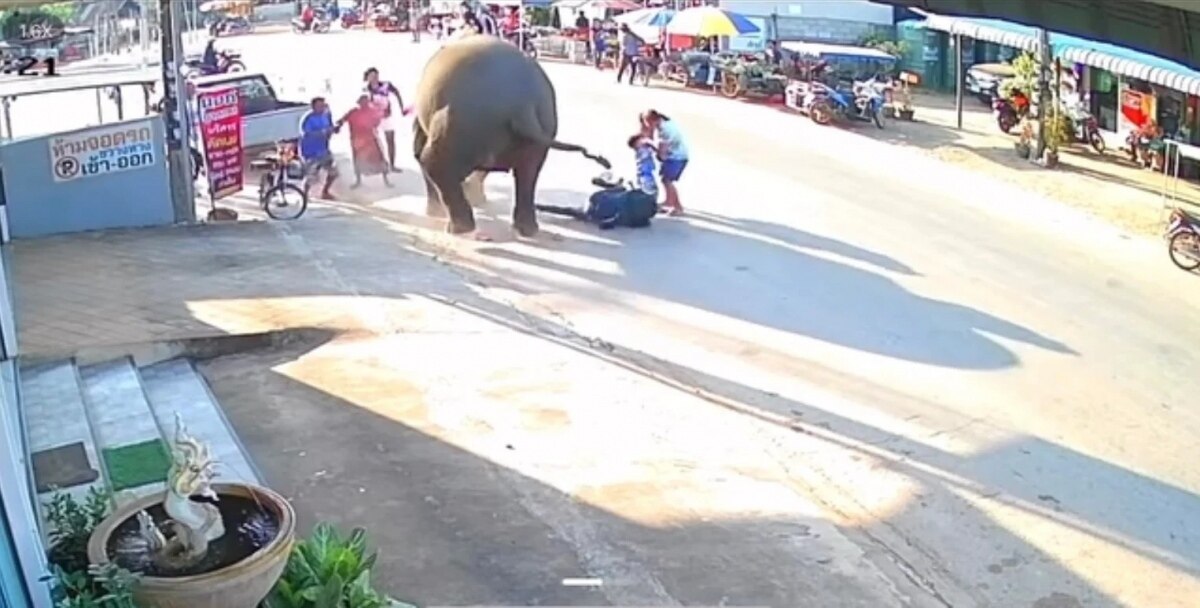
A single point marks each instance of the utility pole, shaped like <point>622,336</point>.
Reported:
<point>1043,97</point>
<point>175,112</point>
<point>958,78</point>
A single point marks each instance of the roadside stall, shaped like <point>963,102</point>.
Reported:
<point>703,65</point>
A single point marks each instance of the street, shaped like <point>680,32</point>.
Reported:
<point>986,393</point>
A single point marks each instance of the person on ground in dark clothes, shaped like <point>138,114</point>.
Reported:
<point>631,207</point>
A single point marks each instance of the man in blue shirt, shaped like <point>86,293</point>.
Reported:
<point>316,128</point>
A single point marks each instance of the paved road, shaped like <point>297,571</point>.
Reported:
<point>990,394</point>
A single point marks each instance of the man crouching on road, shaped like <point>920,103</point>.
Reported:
<point>316,128</point>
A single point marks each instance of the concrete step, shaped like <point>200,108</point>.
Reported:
<point>120,417</point>
<point>176,386</point>
<point>56,417</point>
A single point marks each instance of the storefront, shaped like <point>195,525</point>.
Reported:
<point>1122,88</point>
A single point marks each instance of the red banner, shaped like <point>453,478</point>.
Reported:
<point>1133,107</point>
<point>221,133</point>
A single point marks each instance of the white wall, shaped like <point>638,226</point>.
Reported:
<point>846,10</point>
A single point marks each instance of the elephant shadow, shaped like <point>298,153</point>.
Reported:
<point>803,284</point>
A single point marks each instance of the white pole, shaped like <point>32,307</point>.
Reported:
<point>521,25</point>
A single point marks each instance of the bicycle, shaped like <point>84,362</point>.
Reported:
<point>278,196</point>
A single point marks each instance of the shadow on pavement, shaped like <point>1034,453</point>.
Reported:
<point>459,528</point>
<point>814,294</point>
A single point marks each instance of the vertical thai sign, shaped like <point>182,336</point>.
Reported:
<point>221,134</point>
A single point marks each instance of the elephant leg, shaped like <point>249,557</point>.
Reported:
<point>449,185</point>
<point>526,169</point>
<point>473,187</point>
<point>433,200</point>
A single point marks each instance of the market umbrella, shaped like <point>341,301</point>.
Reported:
<point>649,17</point>
<point>708,21</point>
<point>614,5</point>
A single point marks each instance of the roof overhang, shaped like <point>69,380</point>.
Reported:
<point>1167,28</point>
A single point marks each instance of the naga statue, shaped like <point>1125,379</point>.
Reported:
<point>182,540</point>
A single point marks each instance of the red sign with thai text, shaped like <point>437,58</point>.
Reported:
<point>221,134</point>
<point>1133,107</point>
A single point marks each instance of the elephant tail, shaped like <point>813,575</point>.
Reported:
<point>528,126</point>
<point>558,145</point>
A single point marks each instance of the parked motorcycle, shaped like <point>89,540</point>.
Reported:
<point>751,78</point>
<point>231,26</point>
<point>320,25</point>
<point>1087,129</point>
<point>828,104</point>
<point>1141,149</point>
<point>352,17</point>
<point>526,42</point>
<point>227,63</point>
<point>1010,112</point>
<point>1183,240</point>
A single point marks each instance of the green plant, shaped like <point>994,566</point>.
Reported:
<point>1025,72</point>
<point>107,586</point>
<point>1058,130</point>
<point>880,42</point>
<point>71,526</point>
<point>327,571</point>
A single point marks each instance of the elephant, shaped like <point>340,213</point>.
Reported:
<point>482,106</point>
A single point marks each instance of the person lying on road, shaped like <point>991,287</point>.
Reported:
<point>618,205</point>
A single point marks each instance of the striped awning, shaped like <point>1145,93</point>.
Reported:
<point>1178,80</point>
<point>979,31</point>
<point>1120,61</point>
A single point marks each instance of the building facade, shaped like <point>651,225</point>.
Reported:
<point>830,21</point>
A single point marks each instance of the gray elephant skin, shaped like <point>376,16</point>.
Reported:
<point>482,105</point>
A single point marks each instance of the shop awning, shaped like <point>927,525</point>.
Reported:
<point>1115,59</point>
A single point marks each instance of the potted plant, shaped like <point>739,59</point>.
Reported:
<point>1058,133</point>
<point>1024,145</point>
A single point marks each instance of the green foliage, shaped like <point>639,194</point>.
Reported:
<point>327,571</point>
<point>1058,130</point>
<point>880,42</point>
<point>79,584</point>
<point>71,526</point>
<point>1025,68</point>
<point>107,586</point>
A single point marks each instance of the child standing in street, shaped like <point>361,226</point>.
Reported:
<point>672,152</point>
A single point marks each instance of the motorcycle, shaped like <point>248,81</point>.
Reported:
<point>752,78</point>
<point>227,63</point>
<point>1142,149</point>
<point>1086,129</point>
<point>1009,112</point>
<point>827,103</point>
<point>1183,240</point>
<point>231,26</point>
<point>320,25</point>
<point>526,41</point>
<point>352,17</point>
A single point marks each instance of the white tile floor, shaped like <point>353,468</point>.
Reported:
<point>113,404</point>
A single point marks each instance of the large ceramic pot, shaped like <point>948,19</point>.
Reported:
<point>240,585</point>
